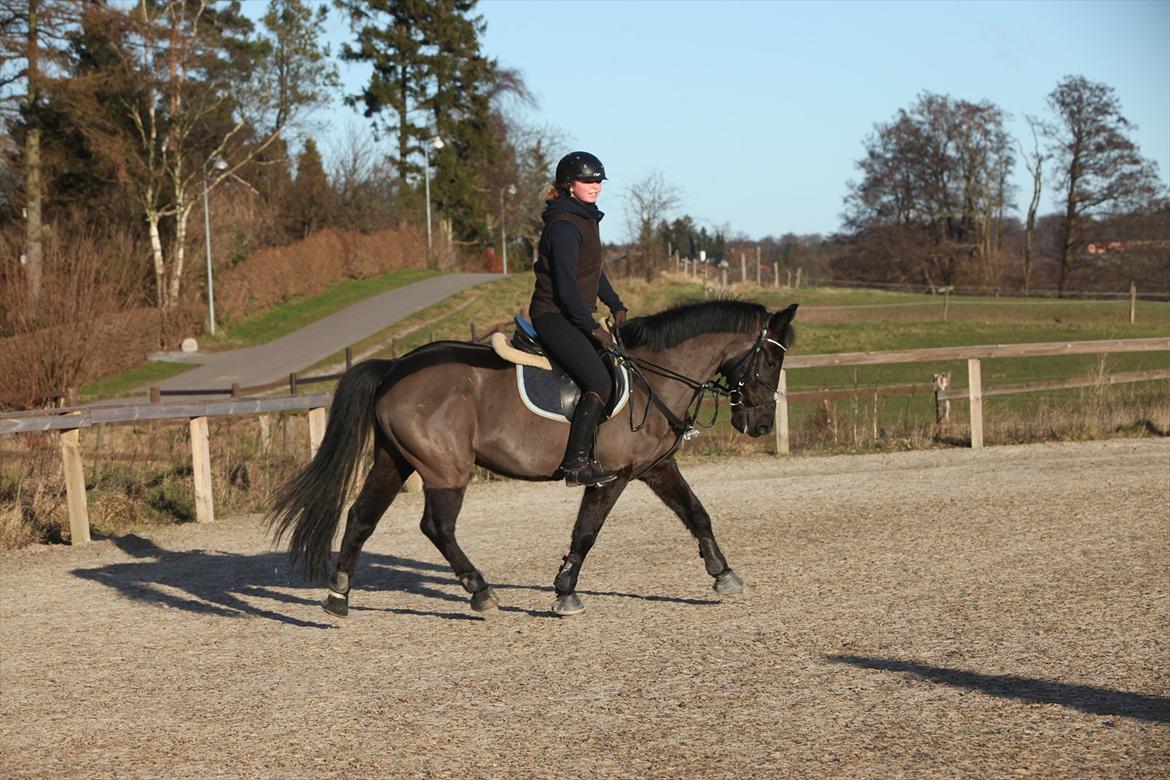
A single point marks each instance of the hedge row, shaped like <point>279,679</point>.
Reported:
<point>43,364</point>
<point>311,266</point>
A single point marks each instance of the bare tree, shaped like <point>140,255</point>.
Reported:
<point>934,190</point>
<point>1034,162</point>
<point>649,202</point>
<point>1099,168</point>
<point>191,98</point>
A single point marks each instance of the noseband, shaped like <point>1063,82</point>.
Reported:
<point>751,363</point>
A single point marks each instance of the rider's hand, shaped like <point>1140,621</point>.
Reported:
<point>619,317</point>
<point>602,337</point>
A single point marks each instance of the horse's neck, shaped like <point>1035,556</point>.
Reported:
<point>696,358</point>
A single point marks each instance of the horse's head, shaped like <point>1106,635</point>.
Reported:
<point>752,376</point>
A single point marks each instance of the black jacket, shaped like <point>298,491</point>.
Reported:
<point>569,272</point>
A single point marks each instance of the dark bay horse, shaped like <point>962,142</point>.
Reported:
<point>448,406</point>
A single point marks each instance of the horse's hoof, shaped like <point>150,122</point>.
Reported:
<point>336,604</point>
<point>568,604</point>
<point>727,583</point>
<point>484,600</point>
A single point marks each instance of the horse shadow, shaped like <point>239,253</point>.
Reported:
<point>1086,698</point>
<point>233,585</point>
<point>225,584</point>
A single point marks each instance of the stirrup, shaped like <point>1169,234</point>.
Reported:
<point>589,473</point>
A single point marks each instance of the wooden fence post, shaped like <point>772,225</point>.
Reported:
<point>316,429</point>
<point>942,406</point>
<point>975,388</point>
<point>1132,303</point>
<point>742,268</point>
<point>265,432</point>
<point>75,486</point>
<point>782,414</point>
<point>201,469</point>
<point>775,274</point>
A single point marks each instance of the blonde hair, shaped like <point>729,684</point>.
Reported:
<point>555,191</point>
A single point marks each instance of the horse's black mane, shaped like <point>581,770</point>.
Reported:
<point>671,327</point>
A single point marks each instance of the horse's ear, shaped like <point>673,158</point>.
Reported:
<point>782,318</point>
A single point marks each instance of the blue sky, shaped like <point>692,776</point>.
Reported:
<point>756,111</point>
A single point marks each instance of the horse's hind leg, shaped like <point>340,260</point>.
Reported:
<point>669,485</point>
<point>438,524</point>
<point>595,507</point>
<point>382,484</point>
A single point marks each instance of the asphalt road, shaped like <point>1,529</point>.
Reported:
<point>302,348</point>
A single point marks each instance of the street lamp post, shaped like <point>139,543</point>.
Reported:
<point>510,190</point>
<point>217,163</point>
<point>437,143</point>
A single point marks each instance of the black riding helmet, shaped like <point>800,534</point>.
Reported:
<point>579,166</point>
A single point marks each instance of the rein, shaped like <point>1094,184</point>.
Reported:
<point>685,429</point>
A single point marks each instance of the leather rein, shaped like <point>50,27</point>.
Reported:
<point>685,428</point>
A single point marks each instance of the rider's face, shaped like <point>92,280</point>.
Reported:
<point>585,191</point>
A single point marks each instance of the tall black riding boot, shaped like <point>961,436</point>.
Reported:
<point>579,467</point>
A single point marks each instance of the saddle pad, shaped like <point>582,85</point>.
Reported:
<point>540,390</point>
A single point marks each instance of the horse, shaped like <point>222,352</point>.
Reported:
<point>448,406</point>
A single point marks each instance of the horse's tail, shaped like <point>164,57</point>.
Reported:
<point>308,507</point>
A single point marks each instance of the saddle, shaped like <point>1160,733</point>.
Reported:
<point>544,387</point>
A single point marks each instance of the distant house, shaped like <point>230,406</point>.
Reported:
<point>1112,247</point>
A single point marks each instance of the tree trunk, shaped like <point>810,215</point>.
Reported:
<point>34,235</point>
<point>156,254</point>
<point>1068,244</point>
<point>1030,227</point>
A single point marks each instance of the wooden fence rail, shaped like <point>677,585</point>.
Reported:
<point>68,422</point>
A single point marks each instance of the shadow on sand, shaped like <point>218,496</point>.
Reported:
<point>212,582</point>
<point>1086,698</point>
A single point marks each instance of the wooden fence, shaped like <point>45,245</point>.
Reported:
<point>975,392</point>
<point>69,422</point>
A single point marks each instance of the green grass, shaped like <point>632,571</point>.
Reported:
<point>284,318</point>
<point>120,384</point>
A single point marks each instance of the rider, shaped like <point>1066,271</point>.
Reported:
<point>569,280</point>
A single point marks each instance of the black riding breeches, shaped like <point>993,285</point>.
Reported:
<point>575,352</point>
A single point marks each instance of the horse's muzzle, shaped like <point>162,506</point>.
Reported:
<point>753,422</point>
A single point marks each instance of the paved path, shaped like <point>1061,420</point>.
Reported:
<point>302,348</point>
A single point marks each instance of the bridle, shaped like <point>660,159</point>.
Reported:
<point>684,428</point>
<point>752,361</point>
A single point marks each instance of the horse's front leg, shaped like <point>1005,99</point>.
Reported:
<point>669,485</point>
<point>595,507</point>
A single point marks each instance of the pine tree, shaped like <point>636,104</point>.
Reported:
<point>310,197</point>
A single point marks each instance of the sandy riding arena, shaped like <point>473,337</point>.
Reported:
<point>942,613</point>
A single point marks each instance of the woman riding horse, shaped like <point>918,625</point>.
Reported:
<point>447,407</point>
<point>569,280</point>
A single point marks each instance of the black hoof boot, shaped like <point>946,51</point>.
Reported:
<point>485,600</point>
<point>336,604</point>
<point>568,604</point>
<point>727,583</point>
